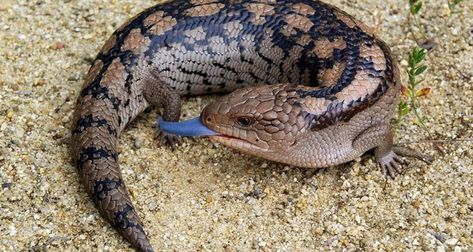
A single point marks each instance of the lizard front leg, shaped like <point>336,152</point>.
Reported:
<point>161,95</point>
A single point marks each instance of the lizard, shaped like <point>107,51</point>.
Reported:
<point>310,86</point>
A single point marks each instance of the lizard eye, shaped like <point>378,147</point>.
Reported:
<point>244,121</point>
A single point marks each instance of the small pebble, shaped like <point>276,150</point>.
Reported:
<point>138,143</point>
<point>58,45</point>
<point>451,241</point>
<point>440,237</point>
<point>10,115</point>
<point>319,231</point>
<point>7,185</point>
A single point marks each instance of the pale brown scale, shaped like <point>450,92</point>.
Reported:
<point>303,9</point>
<point>375,54</point>
<point>100,108</point>
<point>114,79</point>
<point>330,76</point>
<point>269,50</point>
<point>299,22</point>
<point>135,42</point>
<point>99,169</point>
<point>109,44</point>
<point>205,10</point>
<point>158,24</point>
<point>361,86</point>
<point>304,40</point>
<point>315,105</point>
<point>260,10</point>
<point>268,1</point>
<point>365,28</point>
<point>345,18</point>
<point>200,2</point>
<point>324,47</point>
<point>93,72</point>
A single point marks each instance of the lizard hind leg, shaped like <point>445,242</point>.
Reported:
<point>161,95</point>
<point>390,162</point>
<point>387,158</point>
<point>380,138</point>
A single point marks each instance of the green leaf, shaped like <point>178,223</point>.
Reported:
<point>403,108</point>
<point>415,8</point>
<point>418,55</point>
<point>418,82</point>
<point>411,60</point>
<point>420,70</point>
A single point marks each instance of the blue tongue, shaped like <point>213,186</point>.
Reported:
<point>190,128</point>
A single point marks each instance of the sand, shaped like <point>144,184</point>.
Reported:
<point>203,196</point>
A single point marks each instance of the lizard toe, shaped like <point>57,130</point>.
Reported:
<point>390,164</point>
<point>167,139</point>
<point>408,152</point>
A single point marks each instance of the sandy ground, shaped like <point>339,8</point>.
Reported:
<point>207,197</point>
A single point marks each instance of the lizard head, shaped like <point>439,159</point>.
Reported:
<point>262,120</point>
<point>267,121</point>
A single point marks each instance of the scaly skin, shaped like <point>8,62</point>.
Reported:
<point>335,88</point>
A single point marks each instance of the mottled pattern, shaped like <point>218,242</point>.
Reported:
<point>210,46</point>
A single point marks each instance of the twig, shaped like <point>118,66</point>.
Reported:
<point>437,141</point>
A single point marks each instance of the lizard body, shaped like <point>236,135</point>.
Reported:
<point>334,88</point>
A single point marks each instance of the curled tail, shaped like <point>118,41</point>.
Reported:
<point>103,109</point>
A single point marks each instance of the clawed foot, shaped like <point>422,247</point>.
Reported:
<point>167,139</point>
<point>391,162</point>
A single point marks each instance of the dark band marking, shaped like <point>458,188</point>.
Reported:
<point>94,153</point>
<point>103,187</point>
<point>99,92</point>
<point>336,112</point>
<point>121,220</point>
<point>348,75</point>
<point>88,121</point>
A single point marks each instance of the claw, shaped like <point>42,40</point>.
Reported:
<point>396,165</point>
<point>408,152</point>
<point>391,172</point>
<point>390,165</point>
<point>383,170</point>
<point>399,160</point>
<point>168,139</point>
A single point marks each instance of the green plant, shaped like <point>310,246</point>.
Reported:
<point>414,8</point>
<point>415,87</point>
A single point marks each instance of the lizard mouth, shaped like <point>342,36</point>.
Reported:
<point>195,128</point>
<point>237,143</point>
